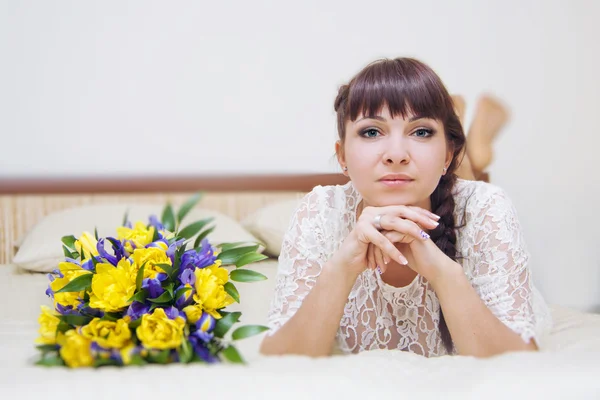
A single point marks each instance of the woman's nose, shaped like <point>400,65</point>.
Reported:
<point>396,152</point>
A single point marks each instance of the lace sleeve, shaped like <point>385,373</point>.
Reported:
<point>501,274</point>
<point>300,261</point>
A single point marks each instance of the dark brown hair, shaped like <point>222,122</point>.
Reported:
<point>409,87</point>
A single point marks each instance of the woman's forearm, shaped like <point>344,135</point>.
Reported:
<point>311,330</point>
<point>475,330</point>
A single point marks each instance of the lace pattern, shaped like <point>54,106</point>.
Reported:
<point>491,251</point>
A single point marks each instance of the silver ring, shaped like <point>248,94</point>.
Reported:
<point>377,222</point>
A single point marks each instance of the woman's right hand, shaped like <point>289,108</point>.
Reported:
<point>353,255</point>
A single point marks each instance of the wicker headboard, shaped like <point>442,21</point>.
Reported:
<point>23,203</point>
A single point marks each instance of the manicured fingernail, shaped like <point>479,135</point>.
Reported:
<point>435,216</point>
<point>379,270</point>
<point>435,223</point>
<point>386,260</point>
<point>424,235</point>
<point>403,260</point>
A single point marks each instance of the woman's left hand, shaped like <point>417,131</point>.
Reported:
<point>423,256</point>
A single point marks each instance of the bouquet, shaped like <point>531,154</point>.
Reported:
<point>157,295</point>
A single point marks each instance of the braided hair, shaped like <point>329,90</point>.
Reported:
<point>406,85</point>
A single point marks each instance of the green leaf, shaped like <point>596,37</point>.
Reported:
<point>224,324</point>
<point>139,278</point>
<point>125,217</point>
<point>185,352</point>
<point>78,284</point>
<point>45,348</point>
<point>193,228</point>
<point>108,316</point>
<point>248,330</point>
<point>232,355</point>
<point>163,298</point>
<point>231,256</point>
<point>181,291</point>
<point>76,320</point>
<point>135,324</point>
<point>246,275</point>
<point>155,234</point>
<point>202,235</point>
<point>167,268</point>
<point>249,259</point>
<point>50,361</point>
<point>69,241</point>
<point>169,289</point>
<point>161,357</point>
<point>136,359</point>
<point>96,233</point>
<point>139,296</point>
<point>187,206</point>
<point>68,253</point>
<point>101,362</point>
<point>229,246</point>
<point>63,327</point>
<point>168,218</point>
<point>232,291</point>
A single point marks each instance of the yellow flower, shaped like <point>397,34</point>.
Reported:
<point>88,243</point>
<point>127,352</point>
<point>48,324</point>
<point>193,313</point>
<point>210,293</point>
<point>112,287</point>
<point>108,334</point>
<point>69,271</point>
<point>151,256</point>
<point>157,331</point>
<point>139,235</point>
<point>75,350</point>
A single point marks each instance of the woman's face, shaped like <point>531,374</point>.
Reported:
<point>394,161</point>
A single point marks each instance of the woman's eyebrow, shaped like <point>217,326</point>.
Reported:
<point>377,117</point>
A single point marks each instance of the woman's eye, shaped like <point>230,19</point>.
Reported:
<point>370,133</point>
<point>423,133</point>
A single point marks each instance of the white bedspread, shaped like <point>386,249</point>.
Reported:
<point>569,366</point>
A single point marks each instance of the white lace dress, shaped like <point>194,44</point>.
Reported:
<point>380,316</point>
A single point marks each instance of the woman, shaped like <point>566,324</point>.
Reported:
<point>405,256</point>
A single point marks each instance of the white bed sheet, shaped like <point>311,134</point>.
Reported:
<point>569,366</point>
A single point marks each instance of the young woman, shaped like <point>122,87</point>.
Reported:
<point>405,256</point>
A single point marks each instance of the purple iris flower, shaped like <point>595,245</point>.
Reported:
<point>88,265</point>
<point>50,292</point>
<point>153,287</point>
<point>136,310</point>
<point>66,310</point>
<point>155,244</point>
<point>72,261</point>
<point>206,323</point>
<point>117,249</point>
<point>172,313</point>
<point>173,248</point>
<point>156,223</point>
<point>186,298</point>
<point>57,272</point>
<point>201,350</point>
<point>201,259</point>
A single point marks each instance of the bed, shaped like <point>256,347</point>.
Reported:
<point>567,365</point>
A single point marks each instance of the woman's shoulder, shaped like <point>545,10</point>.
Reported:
<point>479,195</point>
<point>338,197</point>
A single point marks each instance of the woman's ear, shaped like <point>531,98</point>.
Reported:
<point>339,152</point>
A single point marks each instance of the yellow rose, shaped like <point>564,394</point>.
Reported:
<point>139,235</point>
<point>193,313</point>
<point>210,293</point>
<point>157,331</point>
<point>108,334</point>
<point>88,243</point>
<point>112,287</point>
<point>48,324</point>
<point>75,350</point>
<point>151,256</point>
<point>69,271</point>
<point>127,353</point>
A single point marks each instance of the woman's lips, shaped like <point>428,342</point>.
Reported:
<point>396,182</point>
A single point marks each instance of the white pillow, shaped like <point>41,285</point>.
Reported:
<point>270,223</point>
<point>41,249</point>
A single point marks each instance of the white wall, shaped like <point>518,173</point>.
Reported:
<point>154,87</point>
